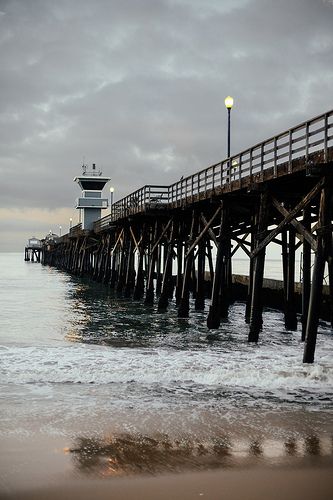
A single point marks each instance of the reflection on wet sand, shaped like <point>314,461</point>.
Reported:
<point>127,454</point>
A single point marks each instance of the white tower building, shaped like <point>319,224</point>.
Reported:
<point>91,202</point>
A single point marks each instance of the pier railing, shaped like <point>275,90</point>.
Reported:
<point>301,141</point>
<point>309,137</point>
<point>147,198</point>
<point>75,230</point>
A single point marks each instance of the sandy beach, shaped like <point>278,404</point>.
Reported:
<point>158,467</point>
<point>302,484</point>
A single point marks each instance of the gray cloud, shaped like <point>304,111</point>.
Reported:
<point>138,87</point>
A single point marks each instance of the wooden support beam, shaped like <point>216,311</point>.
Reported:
<point>159,274</point>
<point>241,243</point>
<point>183,310</point>
<point>114,268</point>
<point>119,239</point>
<point>290,317</point>
<point>297,225</point>
<point>204,231</point>
<point>210,231</point>
<point>122,263</point>
<point>129,277</point>
<point>107,264</point>
<point>82,252</point>
<point>134,239</point>
<point>251,268</point>
<point>167,273</point>
<point>330,280</point>
<point>323,248</point>
<point>210,261</point>
<point>291,215</point>
<point>258,272</point>
<point>200,283</point>
<point>284,253</point>
<point>139,279</point>
<point>162,234</point>
<point>180,261</point>
<point>219,289</point>
<point>149,299</point>
<point>306,271</point>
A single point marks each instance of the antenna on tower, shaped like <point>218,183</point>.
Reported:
<point>84,166</point>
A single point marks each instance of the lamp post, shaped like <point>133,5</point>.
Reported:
<point>111,197</point>
<point>229,102</point>
<point>70,224</point>
<point>59,230</point>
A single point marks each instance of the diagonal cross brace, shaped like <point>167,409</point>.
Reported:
<point>241,244</point>
<point>291,215</point>
<point>118,239</point>
<point>161,235</point>
<point>203,232</point>
<point>297,225</point>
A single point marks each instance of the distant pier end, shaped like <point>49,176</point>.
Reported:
<point>91,202</point>
<point>32,250</point>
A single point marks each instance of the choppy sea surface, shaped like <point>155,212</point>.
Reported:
<point>109,376</point>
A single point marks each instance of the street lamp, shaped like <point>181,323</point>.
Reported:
<point>229,102</point>
<point>111,197</point>
<point>70,224</point>
<point>59,230</point>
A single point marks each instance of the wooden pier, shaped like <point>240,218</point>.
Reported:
<point>161,241</point>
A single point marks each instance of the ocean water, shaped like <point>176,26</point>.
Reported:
<point>100,374</point>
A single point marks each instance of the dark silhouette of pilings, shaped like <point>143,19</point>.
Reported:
<point>152,259</point>
<point>290,317</point>
<point>139,279</point>
<point>251,269</point>
<point>166,289</point>
<point>188,251</point>
<point>258,272</point>
<point>220,299</point>
<point>200,283</point>
<point>323,254</point>
<point>32,254</point>
<point>184,307</point>
<point>306,271</point>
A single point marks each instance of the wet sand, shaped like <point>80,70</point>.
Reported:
<point>125,466</point>
<point>268,455</point>
<point>257,484</point>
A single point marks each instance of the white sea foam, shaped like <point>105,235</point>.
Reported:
<point>252,368</point>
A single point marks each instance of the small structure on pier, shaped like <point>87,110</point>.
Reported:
<point>91,202</point>
<point>33,250</point>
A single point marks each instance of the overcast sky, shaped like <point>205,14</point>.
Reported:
<point>138,87</point>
